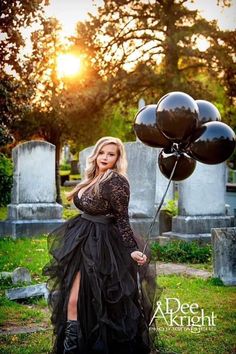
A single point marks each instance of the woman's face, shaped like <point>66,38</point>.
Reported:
<point>107,157</point>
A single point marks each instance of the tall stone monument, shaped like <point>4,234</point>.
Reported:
<point>201,204</point>
<point>33,209</point>
<point>142,162</point>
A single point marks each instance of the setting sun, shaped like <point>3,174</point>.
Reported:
<point>68,65</point>
<point>202,43</point>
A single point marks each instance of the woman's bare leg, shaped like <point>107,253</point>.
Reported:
<point>73,299</point>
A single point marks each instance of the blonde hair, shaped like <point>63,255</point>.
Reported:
<point>91,170</point>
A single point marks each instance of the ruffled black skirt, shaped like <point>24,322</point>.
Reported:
<point>112,312</point>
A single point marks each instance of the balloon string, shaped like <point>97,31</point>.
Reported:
<point>160,205</point>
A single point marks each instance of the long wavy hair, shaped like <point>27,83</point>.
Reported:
<point>91,170</point>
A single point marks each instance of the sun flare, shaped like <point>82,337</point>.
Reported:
<point>68,65</point>
<point>203,44</point>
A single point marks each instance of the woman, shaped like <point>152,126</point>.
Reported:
<point>93,293</point>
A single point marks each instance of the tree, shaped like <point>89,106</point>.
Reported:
<point>14,15</point>
<point>159,39</point>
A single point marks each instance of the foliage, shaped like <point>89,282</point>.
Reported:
<point>3,213</point>
<point>6,179</point>
<point>69,213</point>
<point>171,207</point>
<point>129,50</point>
<point>181,252</point>
<point>232,175</point>
<point>14,16</point>
<point>119,122</point>
<point>146,49</point>
<point>65,166</point>
<point>14,99</point>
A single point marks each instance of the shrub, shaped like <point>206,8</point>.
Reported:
<point>6,179</point>
<point>182,252</point>
<point>65,166</point>
<point>171,207</point>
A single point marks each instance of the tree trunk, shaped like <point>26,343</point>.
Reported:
<point>171,49</point>
<point>54,138</point>
<point>57,174</point>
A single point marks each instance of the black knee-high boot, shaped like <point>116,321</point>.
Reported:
<point>72,336</point>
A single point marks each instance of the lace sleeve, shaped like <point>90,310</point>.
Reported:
<point>117,192</point>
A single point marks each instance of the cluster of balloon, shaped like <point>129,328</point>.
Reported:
<point>187,130</point>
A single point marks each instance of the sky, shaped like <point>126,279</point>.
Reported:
<point>69,12</point>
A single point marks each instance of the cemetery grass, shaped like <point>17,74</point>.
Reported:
<point>30,313</point>
<point>210,295</point>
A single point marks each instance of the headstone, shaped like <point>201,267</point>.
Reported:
<point>33,209</point>
<point>201,204</point>
<point>66,153</point>
<point>141,103</point>
<point>83,155</point>
<point>21,274</point>
<point>27,291</point>
<point>231,199</point>
<point>74,167</point>
<point>224,254</point>
<point>142,178</point>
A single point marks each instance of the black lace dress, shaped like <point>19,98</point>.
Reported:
<point>98,243</point>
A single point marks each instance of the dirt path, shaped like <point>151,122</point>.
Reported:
<point>163,268</point>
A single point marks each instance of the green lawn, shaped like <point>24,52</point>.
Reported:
<point>24,252</point>
<point>212,298</point>
<point>210,295</point>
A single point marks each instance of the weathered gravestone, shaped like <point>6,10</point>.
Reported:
<point>33,209</point>
<point>74,167</point>
<point>27,292</point>
<point>19,275</point>
<point>224,254</point>
<point>201,204</point>
<point>142,162</point>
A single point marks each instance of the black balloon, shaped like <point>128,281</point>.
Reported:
<point>177,115</point>
<point>146,129</point>
<point>215,144</point>
<point>184,168</point>
<point>207,112</point>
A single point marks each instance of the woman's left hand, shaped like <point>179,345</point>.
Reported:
<point>139,257</point>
